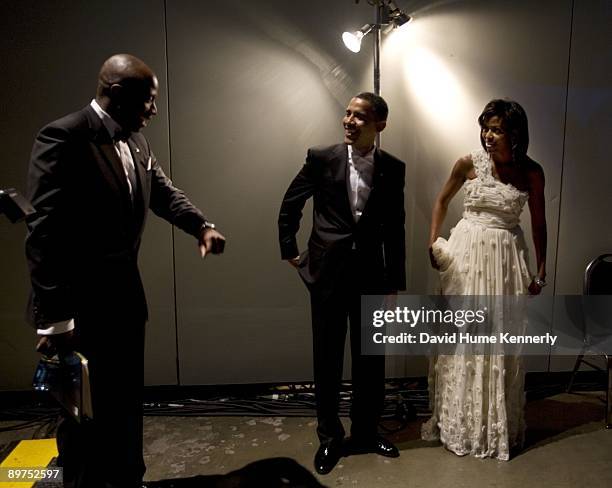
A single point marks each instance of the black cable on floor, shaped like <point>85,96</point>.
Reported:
<point>405,399</point>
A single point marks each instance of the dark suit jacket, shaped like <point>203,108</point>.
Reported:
<point>378,238</point>
<point>82,247</point>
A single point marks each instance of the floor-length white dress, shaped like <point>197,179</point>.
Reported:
<point>477,400</point>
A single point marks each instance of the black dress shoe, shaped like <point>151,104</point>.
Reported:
<point>327,456</point>
<point>378,445</point>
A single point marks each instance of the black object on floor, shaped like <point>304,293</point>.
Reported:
<point>270,473</point>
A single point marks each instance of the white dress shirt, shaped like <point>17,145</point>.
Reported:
<point>121,147</point>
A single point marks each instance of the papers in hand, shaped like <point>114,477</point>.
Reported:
<point>67,379</point>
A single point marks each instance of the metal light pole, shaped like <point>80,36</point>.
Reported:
<point>387,13</point>
<point>377,42</point>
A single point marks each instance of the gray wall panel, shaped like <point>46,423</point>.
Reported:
<point>248,97</point>
<point>51,55</point>
<point>439,73</point>
<point>585,229</point>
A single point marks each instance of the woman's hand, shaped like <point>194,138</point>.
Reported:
<point>432,259</point>
<point>534,288</point>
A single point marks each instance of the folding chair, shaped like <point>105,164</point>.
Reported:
<point>597,281</point>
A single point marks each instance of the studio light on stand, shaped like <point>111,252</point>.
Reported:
<point>388,17</point>
<point>397,17</point>
<point>352,40</point>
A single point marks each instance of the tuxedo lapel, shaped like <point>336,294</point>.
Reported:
<point>140,165</point>
<point>340,172</point>
<point>377,180</point>
<point>379,174</point>
<point>108,159</point>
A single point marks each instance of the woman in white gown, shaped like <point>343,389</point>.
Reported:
<point>477,401</point>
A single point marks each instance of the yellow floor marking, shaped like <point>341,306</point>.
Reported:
<point>29,454</point>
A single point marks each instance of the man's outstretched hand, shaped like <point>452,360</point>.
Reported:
<point>211,241</point>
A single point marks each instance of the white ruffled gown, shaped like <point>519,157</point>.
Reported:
<point>477,401</point>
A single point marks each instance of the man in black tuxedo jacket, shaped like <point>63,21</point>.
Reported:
<point>92,179</point>
<point>357,247</point>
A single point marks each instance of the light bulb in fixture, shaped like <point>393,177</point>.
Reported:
<point>352,40</point>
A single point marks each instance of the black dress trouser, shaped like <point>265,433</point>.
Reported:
<point>107,451</point>
<point>329,327</point>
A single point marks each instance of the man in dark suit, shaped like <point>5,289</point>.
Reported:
<point>92,179</point>
<point>357,247</point>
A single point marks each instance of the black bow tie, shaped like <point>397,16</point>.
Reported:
<point>121,135</point>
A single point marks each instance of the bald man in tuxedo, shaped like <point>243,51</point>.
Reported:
<point>92,179</point>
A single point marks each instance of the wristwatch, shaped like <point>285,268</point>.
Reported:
<point>208,225</point>
<point>539,281</point>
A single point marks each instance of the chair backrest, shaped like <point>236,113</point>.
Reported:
<point>598,276</point>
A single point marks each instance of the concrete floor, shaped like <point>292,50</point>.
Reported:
<point>567,446</point>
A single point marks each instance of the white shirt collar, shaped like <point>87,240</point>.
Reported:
<point>369,156</point>
<point>111,125</point>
